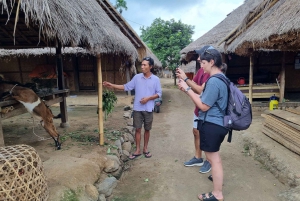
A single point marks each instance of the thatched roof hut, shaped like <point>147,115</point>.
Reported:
<point>43,23</point>
<point>221,30</point>
<point>189,67</point>
<point>273,25</point>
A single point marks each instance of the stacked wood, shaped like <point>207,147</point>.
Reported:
<point>283,127</point>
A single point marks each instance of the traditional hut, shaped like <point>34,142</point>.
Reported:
<point>51,23</point>
<point>271,32</point>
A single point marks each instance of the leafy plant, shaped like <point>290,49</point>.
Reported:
<point>108,102</point>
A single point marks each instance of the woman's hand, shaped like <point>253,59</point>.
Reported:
<point>180,74</point>
<point>182,85</point>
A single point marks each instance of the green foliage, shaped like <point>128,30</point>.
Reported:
<point>166,39</point>
<point>108,102</point>
<point>120,4</point>
<point>70,195</point>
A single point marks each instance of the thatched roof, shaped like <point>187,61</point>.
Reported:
<point>189,67</point>
<point>213,36</point>
<point>277,28</point>
<point>73,23</point>
<point>149,53</point>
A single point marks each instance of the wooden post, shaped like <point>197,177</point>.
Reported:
<point>61,85</point>
<point>76,72</point>
<point>2,144</point>
<point>128,78</point>
<point>100,112</point>
<point>282,78</point>
<point>251,78</point>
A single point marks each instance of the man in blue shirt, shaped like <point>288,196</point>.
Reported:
<point>147,88</point>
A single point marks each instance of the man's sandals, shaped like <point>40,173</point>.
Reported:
<point>210,197</point>
<point>134,156</point>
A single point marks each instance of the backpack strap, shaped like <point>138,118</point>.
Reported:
<point>227,82</point>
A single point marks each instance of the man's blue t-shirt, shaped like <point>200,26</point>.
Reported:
<point>215,91</point>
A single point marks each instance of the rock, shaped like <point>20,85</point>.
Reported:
<point>126,108</point>
<point>92,192</point>
<point>130,122</point>
<point>101,197</point>
<point>122,140</point>
<point>129,129</point>
<point>111,164</point>
<point>126,153</point>
<point>117,174</point>
<point>127,114</point>
<point>119,145</point>
<point>114,158</point>
<point>128,138</point>
<point>126,146</point>
<point>106,187</point>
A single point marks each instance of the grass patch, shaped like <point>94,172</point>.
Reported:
<point>70,195</point>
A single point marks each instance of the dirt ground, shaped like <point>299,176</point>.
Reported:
<point>162,177</point>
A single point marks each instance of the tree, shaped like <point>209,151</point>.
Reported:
<point>166,39</point>
<point>120,4</point>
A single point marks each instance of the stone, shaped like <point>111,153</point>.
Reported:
<point>111,165</point>
<point>130,138</point>
<point>130,122</point>
<point>122,140</point>
<point>126,108</point>
<point>107,186</point>
<point>117,174</point>
<point>101,197</point>
<point>127,114</point>
<point>92,192</point>
<point>126,146</point>
<point>119,145</point>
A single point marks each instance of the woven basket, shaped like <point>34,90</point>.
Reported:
<point>21,174</point>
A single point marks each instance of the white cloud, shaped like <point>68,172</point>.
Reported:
<point>204,15</point>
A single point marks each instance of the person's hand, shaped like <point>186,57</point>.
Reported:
<point>180,74</point>
<point>182,85</point>
<point>144,100</point>
<point>107,84</point>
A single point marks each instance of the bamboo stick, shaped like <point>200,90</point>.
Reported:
<point>100,112</point>
<point>251,79</point>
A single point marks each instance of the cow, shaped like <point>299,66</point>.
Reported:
<point>34,105</point>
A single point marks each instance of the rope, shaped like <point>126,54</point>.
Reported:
<point>12,88</point>
<point>39,137</point>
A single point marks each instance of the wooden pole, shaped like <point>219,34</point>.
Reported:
<point>282,78</point>
<point>251,78</point>
<point>61,86</point>
<point>2,144</point>
<point>128,78</point>
<point>100,112</point>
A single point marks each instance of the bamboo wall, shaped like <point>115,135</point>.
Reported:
<point>81,70</point>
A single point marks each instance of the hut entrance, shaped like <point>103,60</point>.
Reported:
<point>86,74</point>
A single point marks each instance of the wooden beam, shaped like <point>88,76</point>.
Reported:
<point>251,78</point>
<point>61,86</point>
<point>9,35</point>
<point>282,78</point>
<point>120,24</point>
<point>100,112</point>
<point>2,144</point>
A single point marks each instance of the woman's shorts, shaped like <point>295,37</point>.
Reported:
<point>142,117</point>
<point>211,136</point>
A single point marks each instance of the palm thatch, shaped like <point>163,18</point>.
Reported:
<point>189,67</point>
<point>149,53</point>
<point>220,31</point>
<point>277,29</point>
<point>73,23</point>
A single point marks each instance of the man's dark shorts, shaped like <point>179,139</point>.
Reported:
<point>142,117</point>
<point>211,136</point>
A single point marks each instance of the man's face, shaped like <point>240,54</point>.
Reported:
<point>145,66</point>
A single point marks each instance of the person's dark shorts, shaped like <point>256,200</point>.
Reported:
<point>142,117</point>
<point>211,136</point>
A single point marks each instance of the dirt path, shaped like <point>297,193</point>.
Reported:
<point>171,143</point>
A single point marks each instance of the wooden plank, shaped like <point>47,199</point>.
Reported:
<point>54,101</point>
<point>293,111</point>
<point>7,103</point>
<point>277,138</point>
<point>294,118</point>
<point>13,113</point>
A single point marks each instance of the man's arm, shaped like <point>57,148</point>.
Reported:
<point>113,86</point>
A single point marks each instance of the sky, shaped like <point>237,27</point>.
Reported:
<point>203,14</point>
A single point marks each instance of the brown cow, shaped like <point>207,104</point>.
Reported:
<point>34,106</point>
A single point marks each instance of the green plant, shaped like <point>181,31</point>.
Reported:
<point>108,102</point>
<point>70,195</point>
